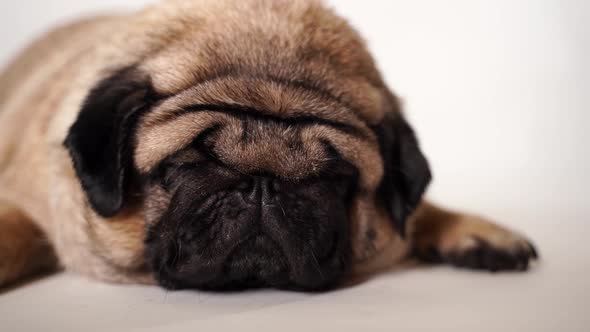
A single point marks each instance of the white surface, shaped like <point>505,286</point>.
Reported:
<point>553,296</point>
<point>499,92</point>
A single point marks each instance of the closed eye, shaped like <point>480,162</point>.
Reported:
<point>169,170</point>
<point>187,166</point>
<point>337,166</point>
<point>204,141</point>
<point>195,156</point>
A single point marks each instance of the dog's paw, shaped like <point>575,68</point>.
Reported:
<point>479,253</point>
<point>475,243</point>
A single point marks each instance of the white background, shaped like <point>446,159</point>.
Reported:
<point>499,92</point>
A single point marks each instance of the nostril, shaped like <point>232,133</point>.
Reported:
<point>258,188</point>
<point>270,187</point>
<point>253,190</point>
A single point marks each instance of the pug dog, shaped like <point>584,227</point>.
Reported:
<point>219,144</point>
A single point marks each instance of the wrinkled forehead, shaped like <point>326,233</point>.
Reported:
<point>260,126</point>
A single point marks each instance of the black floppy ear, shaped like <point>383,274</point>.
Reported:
<point>100,140</point>
<point>407,173</point>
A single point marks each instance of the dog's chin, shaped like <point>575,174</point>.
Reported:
<point>259,262</point>
<point>230,256</point>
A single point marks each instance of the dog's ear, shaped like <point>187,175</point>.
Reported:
<point>100,141</point>
<point>406,170</point>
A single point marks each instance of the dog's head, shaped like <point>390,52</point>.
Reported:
<point>265,151</point>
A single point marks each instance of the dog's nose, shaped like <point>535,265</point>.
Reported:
<point>262,189</point>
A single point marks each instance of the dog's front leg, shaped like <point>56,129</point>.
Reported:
<point>468,241</point>
<point>24,249</point>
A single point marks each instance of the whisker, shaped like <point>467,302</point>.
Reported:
<point>316,263</point>
<point>179,252</point>
<point>281,207</point>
